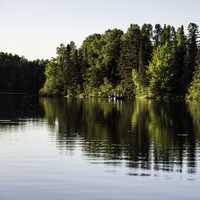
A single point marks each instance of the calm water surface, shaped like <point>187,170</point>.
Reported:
<point>55,149</point>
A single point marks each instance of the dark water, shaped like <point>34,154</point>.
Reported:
<point>55,149</point>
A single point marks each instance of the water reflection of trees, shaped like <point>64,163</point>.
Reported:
<point>15,110</point>
<point>170,130</point>
<point>145,134</point>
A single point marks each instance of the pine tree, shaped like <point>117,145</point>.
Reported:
<point>191,55</point>
<point>157,34</point>
<point>129,59</point>
<point>180,58</point>
<point>146,47</point>
<point>110,55</point>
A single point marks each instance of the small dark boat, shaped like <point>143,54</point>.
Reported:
<point>116,97</point>
<point>120,97</point>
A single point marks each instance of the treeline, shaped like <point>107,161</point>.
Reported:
<point>18,75</point>
<point>150,61</point>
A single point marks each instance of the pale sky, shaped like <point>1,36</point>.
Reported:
<point>34,28</point>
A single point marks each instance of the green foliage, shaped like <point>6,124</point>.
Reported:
<point>143,61</point>
<point>129,58</point>
<point>191,56</point>
<point>63,73</point>
<point>51,85</point>
<point>105,89</point>
<point>180,60</point>
<point>91,49</point>
<point>110,55</point>
<point>146,47</point>
<point>161,71</point>
<point>157,34</point>
<point>141,83</point>
<point>194,89</point>
<point>18,75</point>
<point>146,61</point>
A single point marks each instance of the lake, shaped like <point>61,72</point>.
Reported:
<point>58,149</point>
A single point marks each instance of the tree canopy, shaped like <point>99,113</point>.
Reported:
<point>153,61</point>
<point>18,75</point>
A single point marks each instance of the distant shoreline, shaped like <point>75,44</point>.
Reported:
<point>18,93</point>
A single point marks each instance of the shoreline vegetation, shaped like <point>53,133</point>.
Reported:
<point>160,62</point>
<point>144,62</point>
<point>20,76</point>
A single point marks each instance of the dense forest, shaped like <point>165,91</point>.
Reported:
<point>18,75</point>
<point>146,61</point>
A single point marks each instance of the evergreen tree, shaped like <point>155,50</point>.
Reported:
<point>91,49</point>
<point>129,59</point>
<point>168,34</point>
<point>157,34</point>
<point>73,77</point>
<point>180,58</point>
<point>110,55</point>
<point>191,55</point>
<point>146,47</point>
<point>161,61</point>
<point>18,75</point>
